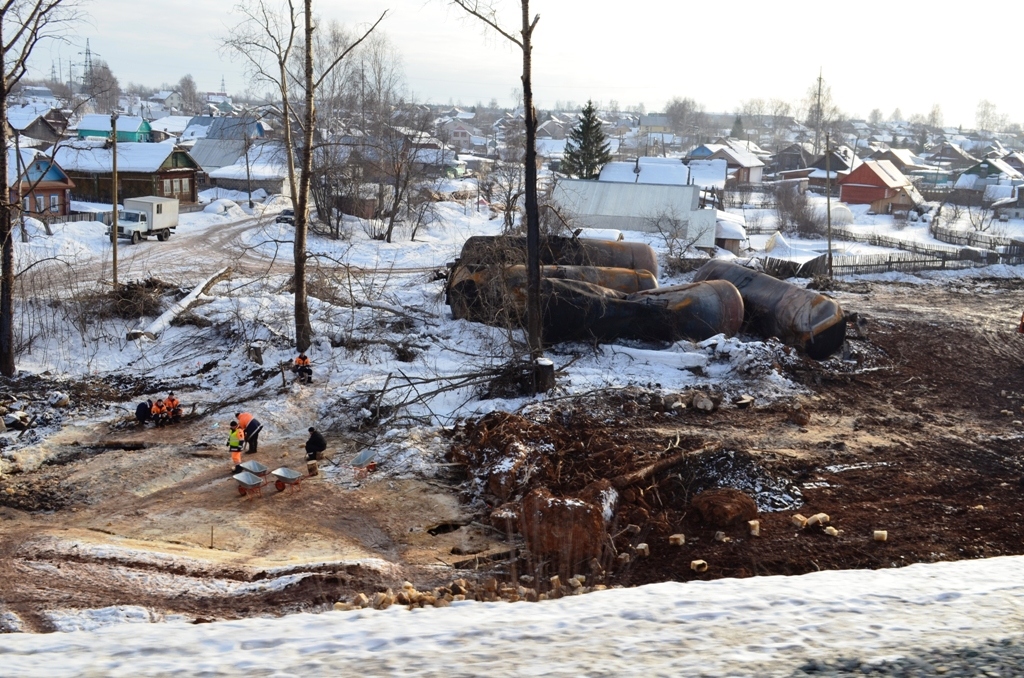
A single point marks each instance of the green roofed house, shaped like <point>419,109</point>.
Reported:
<point>129,128</point>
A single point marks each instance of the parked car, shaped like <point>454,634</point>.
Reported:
<point>286,217</point>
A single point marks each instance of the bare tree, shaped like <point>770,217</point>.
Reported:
<point>266,39</point>
<point>506,181</point>
<point>189,94</point>
<point>821,110</point>
<point>102,87</point>
<point>23,25</point>
<point>523,39</point>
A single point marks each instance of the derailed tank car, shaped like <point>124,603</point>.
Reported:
<point>802,318</point>
<point>590,289</point>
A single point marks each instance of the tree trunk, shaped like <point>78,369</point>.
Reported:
<point>533,319</point>
<point>6,242</point>
<point>303,329</point>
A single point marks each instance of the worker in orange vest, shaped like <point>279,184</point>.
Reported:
<point>236,438</point>
<point>173,407</point>
<point>159,413</point>
<point>251,428</point>
<point>302,368</point>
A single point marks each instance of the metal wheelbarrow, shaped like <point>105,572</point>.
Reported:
<point>286,477</point>
<point>257,469</point>
<point>249,485</point>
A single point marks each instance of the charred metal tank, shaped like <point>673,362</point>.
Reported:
<point>802,318</point>
<point>481,250</point>
<point>466,285</point>
<point>575,310</point>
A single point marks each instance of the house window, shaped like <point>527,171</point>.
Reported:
<point>177,186</point>
<point>26,204</point>
<point>184,185</point>
<point>167,186</point>
<point>40,203</point>
<point>55,203</point>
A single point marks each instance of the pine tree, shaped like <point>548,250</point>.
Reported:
<point>737,128</point>
<point>586,149</point>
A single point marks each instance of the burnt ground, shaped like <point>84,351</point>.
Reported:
<point>916,430</point>
<point>917,433</point>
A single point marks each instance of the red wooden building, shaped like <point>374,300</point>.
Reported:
<point>878,183</point>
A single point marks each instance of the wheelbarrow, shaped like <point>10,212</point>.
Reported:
<point>249,485</point>
<point>257,469</point>
<point>285,478</point>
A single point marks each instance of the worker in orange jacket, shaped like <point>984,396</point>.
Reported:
<point>159,412</point>
<point>173,407</point>
<point>236,438</point>
<point>302,368</point>
<point>251,428</point>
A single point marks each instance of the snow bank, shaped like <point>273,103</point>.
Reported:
<point>756,626</point>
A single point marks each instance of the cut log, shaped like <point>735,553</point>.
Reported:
<point>625,480</point>
<point>157,327</point>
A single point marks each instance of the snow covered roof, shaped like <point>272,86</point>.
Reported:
<point>999,192</point>
<point>170,124</point>
<point>266,161</point>
<point>96,156</point>
<point>708,173</point>
<point>738,156</point>
<point>28,156</point>
<point>20,117</point>
<point>95,122</point>
<point>730,226</point>
<point>666,171</point>
<point>550,148</point>
<point>212,154</point>
<point>885,171</point>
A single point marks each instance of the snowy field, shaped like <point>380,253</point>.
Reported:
<point>762,626</point>
<point>757,626</point>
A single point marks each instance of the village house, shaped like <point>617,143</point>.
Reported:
<point>744,166</point>
<point>44,189</point>
<point>129,128</point>
<point>264,166</point>
<point>142,169</point>
<point>169,99</point>
<point>36,121</point>
<point>949,155</point>
<point>880,184</point>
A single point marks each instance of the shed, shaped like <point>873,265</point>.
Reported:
<point>636,207</point>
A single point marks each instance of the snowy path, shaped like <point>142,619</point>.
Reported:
<point>757,626</point>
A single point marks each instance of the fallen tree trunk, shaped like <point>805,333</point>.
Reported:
<point>634,477</point>
<point>156,327</point>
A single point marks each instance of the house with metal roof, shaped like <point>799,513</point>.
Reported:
<point>636,207</point>
<point>129,128</point>
<point>142,169</point>
<point>880,184</point>
<point>38,184</point>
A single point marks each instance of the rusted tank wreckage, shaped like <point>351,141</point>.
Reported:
<point>604,290</point>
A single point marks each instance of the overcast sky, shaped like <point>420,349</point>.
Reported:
<point>874,54</point>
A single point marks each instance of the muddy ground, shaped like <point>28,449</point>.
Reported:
<point>916,430</point>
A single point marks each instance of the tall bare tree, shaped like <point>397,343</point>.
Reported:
<point>821,110</point>
<point>523,39</point>
<point>23,25</point>
<point>266,39</point>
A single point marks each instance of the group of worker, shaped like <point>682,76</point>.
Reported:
<point>161,412</point>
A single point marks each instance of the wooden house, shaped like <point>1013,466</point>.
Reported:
<point>39,184</point>
<point>951,156</point>
<point>36,121</point>
<point>129,128</point>
<point>142,169</point>
<point>878,183</point>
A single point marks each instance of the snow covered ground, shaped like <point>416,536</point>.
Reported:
<point>760,626</point>
<point>756,626</point>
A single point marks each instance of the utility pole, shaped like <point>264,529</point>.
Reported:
<point>113,218</point>
<point>828,200</point>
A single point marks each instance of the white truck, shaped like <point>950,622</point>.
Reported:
<point>150,215</point>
